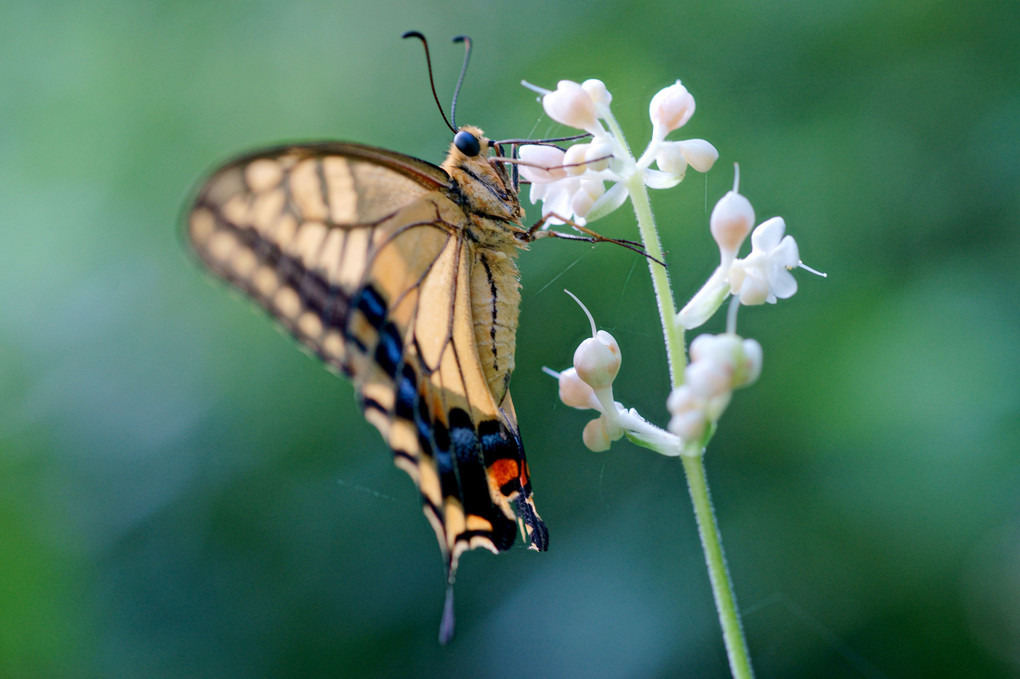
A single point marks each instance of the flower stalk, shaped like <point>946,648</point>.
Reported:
<point>694,465</point>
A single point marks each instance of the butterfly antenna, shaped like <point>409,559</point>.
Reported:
<point>460,79</point>
<point>432,82</point>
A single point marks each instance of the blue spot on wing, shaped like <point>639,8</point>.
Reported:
<point>389,352</point>
<point>370,303</point>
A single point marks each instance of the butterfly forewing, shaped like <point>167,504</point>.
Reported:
<point>364,256</point>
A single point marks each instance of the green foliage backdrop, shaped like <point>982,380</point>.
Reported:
<point>183,493</point>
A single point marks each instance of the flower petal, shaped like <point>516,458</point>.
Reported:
<point>768,234</point>
<point>699,153</point>
<point>655,179</point>
<point>782,283</point>
<point>787,254</point>
<point>609,201</point>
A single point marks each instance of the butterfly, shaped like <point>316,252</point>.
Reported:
<point>401,275</point>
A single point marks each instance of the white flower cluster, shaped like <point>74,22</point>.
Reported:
<point>571,186</point>
<point>571,183</point>
<point>719,364</point>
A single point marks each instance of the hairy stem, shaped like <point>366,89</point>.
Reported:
<point>718,573</point>
<point>672,333</point>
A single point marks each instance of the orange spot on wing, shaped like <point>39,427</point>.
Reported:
<point>504,471</point>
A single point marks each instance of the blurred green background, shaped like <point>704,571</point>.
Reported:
<point>183,493</point>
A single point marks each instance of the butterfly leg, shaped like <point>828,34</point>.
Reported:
<point>534,233</point>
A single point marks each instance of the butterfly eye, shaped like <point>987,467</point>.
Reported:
<point>467,143</point>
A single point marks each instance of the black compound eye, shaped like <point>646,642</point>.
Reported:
<point>467,143</point>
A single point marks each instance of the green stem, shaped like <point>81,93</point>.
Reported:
<point>718,573</point>
<point>694,465</point>
<point>673,333</point>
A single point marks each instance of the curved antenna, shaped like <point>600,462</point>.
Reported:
<point>432,83</point>
<point>460,79</point>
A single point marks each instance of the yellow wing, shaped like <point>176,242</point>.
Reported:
<point>361,254</point>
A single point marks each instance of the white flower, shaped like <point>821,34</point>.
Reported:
<point>598,154</point>
<point>572,105</point>
<point>708,379</point>
<point>764,275</point>
<point>731,221</point>
<point>589,384</point>
<point>583,198</point>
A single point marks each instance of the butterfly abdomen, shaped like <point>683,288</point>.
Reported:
<point>495,301</point>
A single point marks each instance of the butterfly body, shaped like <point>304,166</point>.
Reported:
<point>401,275</point>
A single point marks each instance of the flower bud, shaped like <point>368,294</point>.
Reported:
<point>721,349</point>
<point>575,392</point>
<point>599,434</point>
<point>574,159</point>
<point>671,108</point>
<point>689,426</point>
<point>597,360</point>
<point>708,379</point>
<point>596,89</point>
<point>571,105</point>
<point>714,407</point>
<point>740,358</point>
<point>598,155</point>
<point>731,221</point>
<point>587,193</point>
<point>748,369</point>
<point>541,164</point>
<point>688,421</point>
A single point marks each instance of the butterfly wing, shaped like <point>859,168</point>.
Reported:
<point>360,253</point>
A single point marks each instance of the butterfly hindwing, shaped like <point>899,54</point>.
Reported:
<point>363,255</point>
